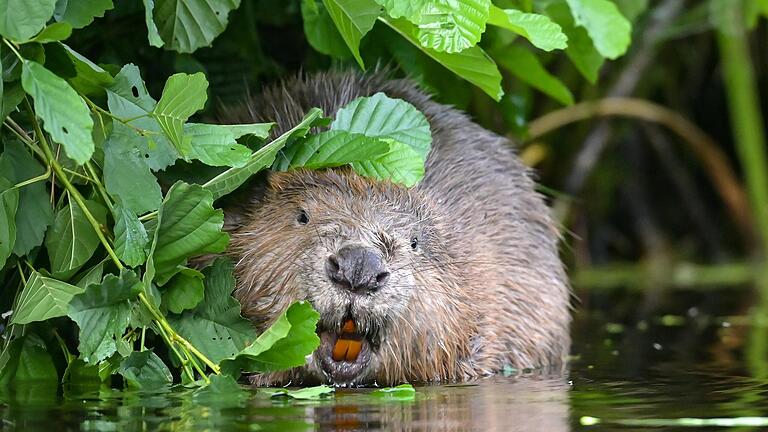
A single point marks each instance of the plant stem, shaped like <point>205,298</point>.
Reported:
<point>22,135</point>
<point>175,336</point>
<point>32,180</point>
<point>706,149</point>
<point>68,355</point>
<point>13,48</point>
<point>182,359</point>
<point>744,109</point>
<point>73,192</point>
<point>148,216</point>
<point>109,114</point>
<point>77,174</point>
<point>749,134</point>
<point>99,186</point>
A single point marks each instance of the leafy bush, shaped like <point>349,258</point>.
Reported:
<point>87,235</point>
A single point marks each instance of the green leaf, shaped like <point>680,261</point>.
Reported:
<point>402,164</point>
<point>452,26</point>
<point>131,95</point>
<point>403,392</point>
<point>187,226</point>
<point>64,113</point>
<point>526,66</point>
<point>410,10</point>
<point>230,179</point>
<point>89,77</point>
<point>3,113</point>
<point>92,276</point>
<point>43,298</point>
<point>9,201</point>
<point>71,240</point>
<point>144,370</point>
<point>259,130</point>
<point>215,145</point>
<point>321,31</point>
<point>131,239</point>
<point>128,98</point>
<point>308,393</point>
<point>102,313</point>
<point>471,64</point>
<point>609,30</point>
<point>80,13</point>
<point>581,50</point>
<point>22,19</point>
<point>153,36</point>
<point>27,360</point>
<point>54,32</point>
<point>215,326</point>
<point>124,159</point>
<point>354,19</point>
<point>183,95</point>
<point>632,9</point>
<point>284,345</point>
<point>184,291</point>
<point>34,213</point>
<point>331,149</point>
<point>384,138</point>
<point>186,25</point>
<point>12,95</point>
<point>380,116</point>
<point>541,31</point>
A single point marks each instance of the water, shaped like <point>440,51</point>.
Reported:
<point>631,377</point>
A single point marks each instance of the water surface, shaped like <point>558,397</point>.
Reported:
<point>621,377</point>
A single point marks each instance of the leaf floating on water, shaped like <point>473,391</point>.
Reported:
<point>309,393</point>
<point>680,422</point>
<point>403,392</point>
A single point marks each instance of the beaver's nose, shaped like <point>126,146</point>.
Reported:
<point>357,268</point>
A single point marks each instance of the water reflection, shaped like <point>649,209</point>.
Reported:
<point>510,404</point>
<point>621,376</point>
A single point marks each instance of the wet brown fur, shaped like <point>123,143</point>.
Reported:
<point>485,290</point>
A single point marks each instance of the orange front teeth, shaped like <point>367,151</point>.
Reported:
<point>347,348</point>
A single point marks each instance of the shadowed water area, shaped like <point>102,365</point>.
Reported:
<point>668,372</point>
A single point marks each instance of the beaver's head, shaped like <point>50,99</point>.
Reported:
<point>377,262</point>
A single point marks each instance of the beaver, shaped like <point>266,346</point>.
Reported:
<point>455,278</point>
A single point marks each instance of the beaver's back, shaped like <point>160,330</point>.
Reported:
<point>502,230</point>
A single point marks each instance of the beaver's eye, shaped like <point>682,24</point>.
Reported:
<point>302,217</point>
<point>414,243</point>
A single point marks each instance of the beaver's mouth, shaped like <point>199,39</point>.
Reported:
<point>344,354</point>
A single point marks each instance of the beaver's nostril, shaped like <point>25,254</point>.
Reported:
<point>357,268</point>
<point>333,270</point>
<point>381,279</point>
<point>333,263</point>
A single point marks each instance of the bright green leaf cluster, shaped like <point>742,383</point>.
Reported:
<point>380,137</point>
<point>448,32</point>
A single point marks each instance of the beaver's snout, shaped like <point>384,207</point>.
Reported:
<point>357,268</point>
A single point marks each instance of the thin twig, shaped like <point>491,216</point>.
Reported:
<point>704,147</point>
